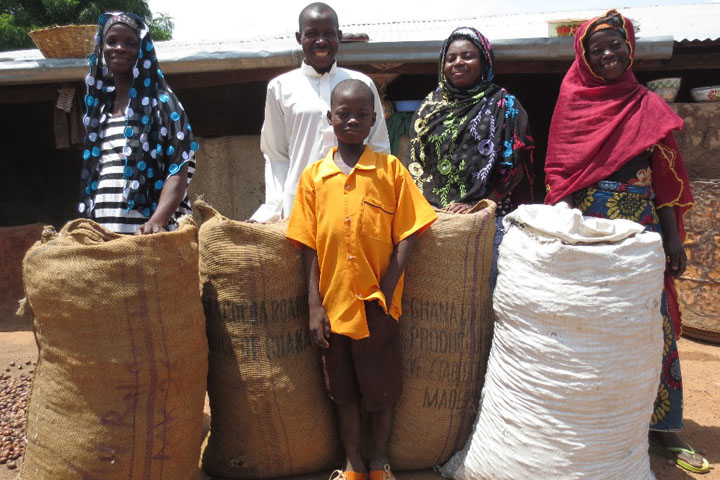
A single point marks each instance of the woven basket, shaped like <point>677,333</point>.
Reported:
<point>69,41</point>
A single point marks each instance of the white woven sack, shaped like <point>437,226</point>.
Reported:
<point>575,361</point>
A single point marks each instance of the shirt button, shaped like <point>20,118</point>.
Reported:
<point>351,257</point>
<point>347,187</point>
<point>347,219</point>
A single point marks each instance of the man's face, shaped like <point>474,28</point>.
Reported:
<point>319,37</point>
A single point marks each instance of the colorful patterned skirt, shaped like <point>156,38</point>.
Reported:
<point>607,199</point>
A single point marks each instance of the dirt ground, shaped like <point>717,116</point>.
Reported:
<point>701,379</point>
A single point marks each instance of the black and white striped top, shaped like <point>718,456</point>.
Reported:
<point>111,204</point>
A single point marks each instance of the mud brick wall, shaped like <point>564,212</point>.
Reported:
<point>699,288</point>
<point>14,243</point>
<point>230,175</point>
<point>699,140</point>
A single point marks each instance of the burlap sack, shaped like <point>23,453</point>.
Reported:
<point>445,332</point>
<point>120,383</point>
<point>271,416</point>
<point>14,243</point>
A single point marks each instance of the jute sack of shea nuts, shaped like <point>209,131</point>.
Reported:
<point>271,416</point>
<point>445,334</point>
<point>120,382</point>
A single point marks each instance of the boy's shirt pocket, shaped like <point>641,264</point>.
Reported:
<point>376,220</point>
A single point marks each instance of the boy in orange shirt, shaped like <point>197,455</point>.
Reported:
<point>357,215</point>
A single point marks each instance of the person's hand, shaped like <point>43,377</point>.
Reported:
<point>676,257</point>
<point>458,207</point>
<point>149,228</point>
<point>319,326</point>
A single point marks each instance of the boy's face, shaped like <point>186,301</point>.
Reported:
<point>351,117</point>
<point>319,37</point>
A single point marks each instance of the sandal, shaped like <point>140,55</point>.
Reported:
<point>384,474</point>
<point>672,454</point>
<point>347,475</point>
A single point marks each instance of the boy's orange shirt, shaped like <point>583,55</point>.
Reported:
<point>353,222</point>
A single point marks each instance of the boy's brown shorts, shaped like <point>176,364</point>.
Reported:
<point>366,369</point>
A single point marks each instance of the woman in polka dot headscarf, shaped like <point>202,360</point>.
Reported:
<point>139,148</point>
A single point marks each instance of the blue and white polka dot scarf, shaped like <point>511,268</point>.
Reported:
<point>158,137</point>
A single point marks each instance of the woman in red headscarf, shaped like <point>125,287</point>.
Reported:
<point>611,153</point>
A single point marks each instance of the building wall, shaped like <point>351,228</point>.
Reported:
<point>699,287</point>
<point>39,183</point>
<point>699,141</point>
<point>230,175</point>
<point>225,110</point>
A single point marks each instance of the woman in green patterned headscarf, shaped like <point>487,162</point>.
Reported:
<point>470,138</point>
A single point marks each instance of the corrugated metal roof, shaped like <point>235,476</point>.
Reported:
<point>28,66</point>
<point>514,37</point>
<point>685,22</point>
<point>682,22</point>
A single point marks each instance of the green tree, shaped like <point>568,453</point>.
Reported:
<point>162,27</point>
<point>18,17</point>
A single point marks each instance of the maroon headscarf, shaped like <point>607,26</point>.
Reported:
<point>600,125</point>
